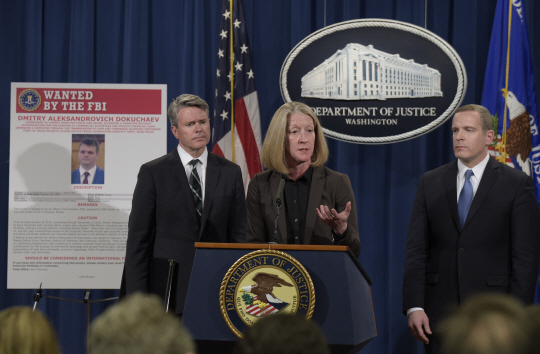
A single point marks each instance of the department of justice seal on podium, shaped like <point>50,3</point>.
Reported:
<point>263,283</point>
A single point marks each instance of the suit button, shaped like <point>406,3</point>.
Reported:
<point>461,250</point>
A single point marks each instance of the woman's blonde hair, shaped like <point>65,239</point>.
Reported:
<point>273,149</point>
<point>23,331</point>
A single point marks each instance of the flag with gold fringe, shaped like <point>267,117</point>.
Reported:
<point>509,94</point>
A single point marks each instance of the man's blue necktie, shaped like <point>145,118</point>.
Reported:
<point>465,197</point>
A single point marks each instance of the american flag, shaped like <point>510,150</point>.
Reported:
<point>247,125</point>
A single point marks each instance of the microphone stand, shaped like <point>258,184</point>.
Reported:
<point>278,206</point>
<point>39,294</point>
<point>276,237</point>
<point>37,297</point>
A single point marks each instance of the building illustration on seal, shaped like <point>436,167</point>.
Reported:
<point>357,72</point>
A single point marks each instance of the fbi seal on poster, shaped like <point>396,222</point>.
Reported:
<point>263,283</point>
<point>29,100</point>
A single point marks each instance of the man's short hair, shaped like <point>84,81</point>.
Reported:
<point>183,101</point>
<point>273,150</point>
<point>139,325</point>
<point>489,324</point>
<point>486,122</point>
<point>24,331</point>
<point>282,334</point>
<point>90,142</point>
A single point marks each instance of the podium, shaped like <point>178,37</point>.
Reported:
<point>343,302</point>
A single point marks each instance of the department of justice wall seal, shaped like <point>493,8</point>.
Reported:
<point>375,81</point>
<point>263,283</point>
<point>29,100</point>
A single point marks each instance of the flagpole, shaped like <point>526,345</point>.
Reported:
<point>324,13</point>
<point>503,154</point>
<point>425,14</point>
<point>231,72</point>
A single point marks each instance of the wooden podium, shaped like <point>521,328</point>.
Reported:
<point>343,305</point>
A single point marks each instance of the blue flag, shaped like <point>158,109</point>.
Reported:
<point>510,96</point>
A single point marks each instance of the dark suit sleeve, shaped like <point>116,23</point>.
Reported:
<point>141,229</point>
<point>256,226</point>
<point>345,194</point>
<point>99,177</point>
<point>75,177</point>
<point>236,231</point>
<point>525,229</point>
<point>416,253</point>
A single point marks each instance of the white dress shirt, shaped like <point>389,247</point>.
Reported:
<point>201,166</point>
<point>92,174</point>
<point>478,171</point>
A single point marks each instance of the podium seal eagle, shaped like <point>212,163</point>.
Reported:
<point>263,283</point>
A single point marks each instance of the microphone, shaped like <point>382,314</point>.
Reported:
<point>279,197</point>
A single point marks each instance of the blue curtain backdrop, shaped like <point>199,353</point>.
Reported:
<point>175,42</point>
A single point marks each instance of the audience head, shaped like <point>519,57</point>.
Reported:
<point>139,325</point>
<point>534,312</point>
<point>283,334</point>
<point>489,324</point>
<point>23,331</point>
<point>274,150</point>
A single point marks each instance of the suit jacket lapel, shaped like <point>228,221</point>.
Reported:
<point>179,173</point>
<point>275,178</point>
<point>212,178</point>
<point>318,181</point>
<point>449,178</point>
<point>488,178</point>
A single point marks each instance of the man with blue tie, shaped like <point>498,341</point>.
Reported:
<point>88,172</point>
<point>474,227</point>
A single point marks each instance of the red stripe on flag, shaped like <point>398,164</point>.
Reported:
<point>217,150</point>
<point>245,132</point>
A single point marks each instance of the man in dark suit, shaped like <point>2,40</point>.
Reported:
<point>88,172</point>
<point>470,232</point>
<point>179,201</point>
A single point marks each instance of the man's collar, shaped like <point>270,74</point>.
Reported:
<point>186,158</point>
<point>92,171</point>
<point>478,170</point>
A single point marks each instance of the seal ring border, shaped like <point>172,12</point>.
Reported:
<point>19,100</point>
<point>232,269</point>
